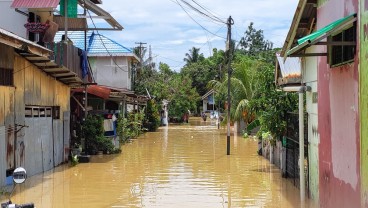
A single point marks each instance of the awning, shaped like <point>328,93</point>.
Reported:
<point>35,3</point>
<point>320,34</point>
<point>288,71</point>
<point>99,91</point>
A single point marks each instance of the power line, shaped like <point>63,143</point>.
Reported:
<point>222,21</point>
<point>197,22</point>
<point>89,14</point>
<point>212,17</point>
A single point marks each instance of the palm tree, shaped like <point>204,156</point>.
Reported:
<point>193,56</point>
<point>244,84</point>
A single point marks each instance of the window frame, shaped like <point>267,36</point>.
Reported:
<point>342,50</point>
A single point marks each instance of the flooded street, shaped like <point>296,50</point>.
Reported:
<point>178,166</point>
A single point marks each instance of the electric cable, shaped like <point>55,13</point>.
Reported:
<point>124,70</point>
<point>198,22</point>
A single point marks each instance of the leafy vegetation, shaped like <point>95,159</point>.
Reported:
<point>254,97</point>
<point>130,127</point>
<point>95,140</point>
<point>152,119</point>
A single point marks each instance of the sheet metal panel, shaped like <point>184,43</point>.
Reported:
<point>10,129</point>
<point>35,3</point>
<point>28,83</point>
<point>19,77</point>
<point>2,156</point>
<point>46,143</point>
<point>37,99</point>
<point>58,141</point>
<point>33,154</point>
<point>2,106</point>
<point>66,139</point>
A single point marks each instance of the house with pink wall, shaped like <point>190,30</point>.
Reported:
<point>330,38</point>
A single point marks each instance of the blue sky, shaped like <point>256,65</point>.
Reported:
<point>169,30</point>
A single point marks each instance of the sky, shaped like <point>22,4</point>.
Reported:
<point>171,31</point>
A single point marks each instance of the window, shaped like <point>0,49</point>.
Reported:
<point>56,112</point>
<point>6,65</point>
<point>6,77</point>
<point>342,54</point>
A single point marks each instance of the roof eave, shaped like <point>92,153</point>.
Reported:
<point>23,44</point>
<point>293,28</point>
<point>100,12</point>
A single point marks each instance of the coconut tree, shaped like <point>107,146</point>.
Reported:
<point>193,56</point>
<point>244,84</point>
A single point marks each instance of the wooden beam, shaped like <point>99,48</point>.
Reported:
<point>308,54</point>
<point>76,100</point>
<point>337,43</point>
<point>311,1</point>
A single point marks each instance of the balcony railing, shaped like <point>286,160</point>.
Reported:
<point>66,55</point>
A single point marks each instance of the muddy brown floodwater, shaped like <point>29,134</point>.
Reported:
<point>178,166</point>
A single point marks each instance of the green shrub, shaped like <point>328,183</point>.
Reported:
<point>94,136</point>
<point>152,120</point>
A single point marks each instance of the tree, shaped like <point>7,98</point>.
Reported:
<point>253,42</point>
<point>193,56</point>
<point>183,97</point>
<point>245,82</point>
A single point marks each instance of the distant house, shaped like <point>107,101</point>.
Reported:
<point>208,101</point>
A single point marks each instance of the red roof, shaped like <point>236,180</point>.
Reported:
<point>35,3</point>
<point>99,91</point>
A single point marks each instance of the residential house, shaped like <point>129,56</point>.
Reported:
<point>330,38</point>
<point>112,67</point>
<point>36,77</point>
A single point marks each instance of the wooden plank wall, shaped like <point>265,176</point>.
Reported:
<point>41,89</point>
<point>2,155</point>
<point>35,88</point>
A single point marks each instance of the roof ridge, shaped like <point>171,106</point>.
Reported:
<point>115,42</point>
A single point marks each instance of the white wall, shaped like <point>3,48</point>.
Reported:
<point>107,73</point>
<point>310,76</point>
<point>11,20</point>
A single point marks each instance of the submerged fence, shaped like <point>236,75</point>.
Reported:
<point>291,145</point>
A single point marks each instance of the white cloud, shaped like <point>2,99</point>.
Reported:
<point>171,32</point>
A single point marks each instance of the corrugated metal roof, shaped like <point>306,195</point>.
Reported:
<point>35,3</point>
<point>97,44</point>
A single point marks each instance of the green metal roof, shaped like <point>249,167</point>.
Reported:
<point>322,33</point>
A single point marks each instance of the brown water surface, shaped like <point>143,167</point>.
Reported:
<point>178,166</point>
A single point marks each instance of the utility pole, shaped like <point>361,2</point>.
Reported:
<point>140,65</point>
<point>150,57</point>
<point>230,22</point>
<point>140,48</point>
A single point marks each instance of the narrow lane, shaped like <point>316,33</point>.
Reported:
<point>178,166</point>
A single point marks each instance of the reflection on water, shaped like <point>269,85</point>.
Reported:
<point>178,166</point>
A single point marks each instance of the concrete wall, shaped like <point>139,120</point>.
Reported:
<point>364,99</point>
<point>107,73</point>
<point>11,20</point>
<point>338,120</point>
<point>309,72</point>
